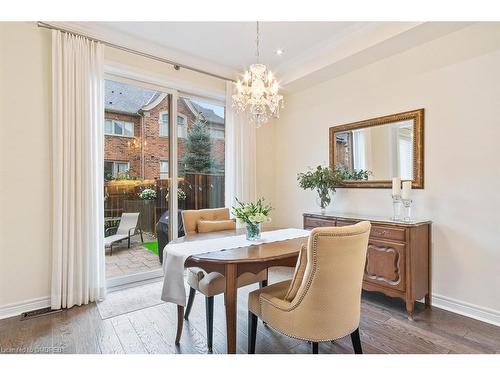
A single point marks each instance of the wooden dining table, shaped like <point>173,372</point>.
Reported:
<point>234,262</point>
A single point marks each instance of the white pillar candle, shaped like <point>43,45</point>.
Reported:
<point>396,186</point>
<point>406,194</point>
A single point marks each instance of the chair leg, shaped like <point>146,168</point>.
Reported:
<point>356,342</point>
<point>111,250</point>
<point>263,284</point>
<point>209,306</point>
<point>192,293</point>
<point>315,347</point>
<point>252,332</point>
<point>128,241</point>
<point>142,239</point>
<point>180,323</point>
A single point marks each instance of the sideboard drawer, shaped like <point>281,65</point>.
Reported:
<point>313,222</point>
<point>343,223</point>
<point>396,234</point>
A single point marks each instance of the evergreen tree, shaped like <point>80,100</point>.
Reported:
<point>197,156</point>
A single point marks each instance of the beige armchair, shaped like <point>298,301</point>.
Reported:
<point>211,284</point>
<point>322,301</point>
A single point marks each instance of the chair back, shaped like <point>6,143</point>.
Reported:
<point>328,299</point>
<point>128,221</point>
<point>190,218</point>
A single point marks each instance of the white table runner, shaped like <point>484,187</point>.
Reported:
<point>174,256</point>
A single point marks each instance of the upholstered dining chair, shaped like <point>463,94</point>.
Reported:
<point>322,301</point>
<point>213,283</point>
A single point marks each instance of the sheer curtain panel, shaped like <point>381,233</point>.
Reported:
<point>77,171</point>
<point>241,157</point>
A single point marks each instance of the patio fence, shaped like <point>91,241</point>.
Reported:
<point>201,191</point>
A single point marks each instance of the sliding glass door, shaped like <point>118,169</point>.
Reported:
<point>157,141</point>
<point>136,147</point>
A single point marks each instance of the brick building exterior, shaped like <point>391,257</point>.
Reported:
<point>143,153</point>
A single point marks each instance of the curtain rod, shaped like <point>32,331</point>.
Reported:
<point>135,52</point>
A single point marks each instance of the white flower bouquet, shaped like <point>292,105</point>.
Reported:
<point>147,194</point>
<point>252,214</point>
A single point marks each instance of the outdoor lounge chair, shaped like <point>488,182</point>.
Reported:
<point>126,229</point>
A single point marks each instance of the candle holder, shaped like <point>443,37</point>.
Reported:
<point>396,206</point>
<point>407,209</point>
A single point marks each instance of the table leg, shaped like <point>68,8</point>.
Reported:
<point>180,323</point>
<point>230,298</point>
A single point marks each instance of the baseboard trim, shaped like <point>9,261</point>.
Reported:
<point>459,307</point>
<point>467,309</point>
<point>14,309</point>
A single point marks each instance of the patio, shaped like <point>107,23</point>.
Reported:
<point>138,258</point>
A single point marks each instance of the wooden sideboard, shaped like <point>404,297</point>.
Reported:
<point>398,259</point>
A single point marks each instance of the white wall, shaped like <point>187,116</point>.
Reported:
<point>25,196</point>
<point>25,164</point>
<point>457,80</point>
<point>266,162</point>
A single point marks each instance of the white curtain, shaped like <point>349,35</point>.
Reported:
<point>77,171</point>
<point>241,158</point>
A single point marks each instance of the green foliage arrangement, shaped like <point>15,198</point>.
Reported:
<point>120,176</point>
<point>324,180</point>
<point>352,174</point>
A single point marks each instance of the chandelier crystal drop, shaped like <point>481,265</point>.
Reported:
<point>258,92</point>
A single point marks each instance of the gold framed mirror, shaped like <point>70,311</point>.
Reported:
<point>388,146</point>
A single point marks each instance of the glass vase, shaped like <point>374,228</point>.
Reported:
<point>407,209</point>
<point>253,231</point>
<point>324,200</point>
<point>396,207</point>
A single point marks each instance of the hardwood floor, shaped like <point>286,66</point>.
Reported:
<point>384,329</point>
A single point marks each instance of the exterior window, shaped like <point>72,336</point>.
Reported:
<point>108,127</point>
<point>163,169</point>
<point>163,124</point>
<point>115,169</point>
<point>181,126</point>
<point>117,127</point>
<point>217,133</point>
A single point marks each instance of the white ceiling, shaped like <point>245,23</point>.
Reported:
<point>232,44</point>
<point>312,50</point>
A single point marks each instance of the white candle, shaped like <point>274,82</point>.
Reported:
<point>396,186</point>
<point>406,194</point>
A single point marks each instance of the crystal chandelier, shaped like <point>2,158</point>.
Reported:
<point>258,93</point>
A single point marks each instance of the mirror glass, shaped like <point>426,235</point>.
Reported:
<point>385,150</point>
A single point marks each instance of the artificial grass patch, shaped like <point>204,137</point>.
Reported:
<point>151,246</point>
